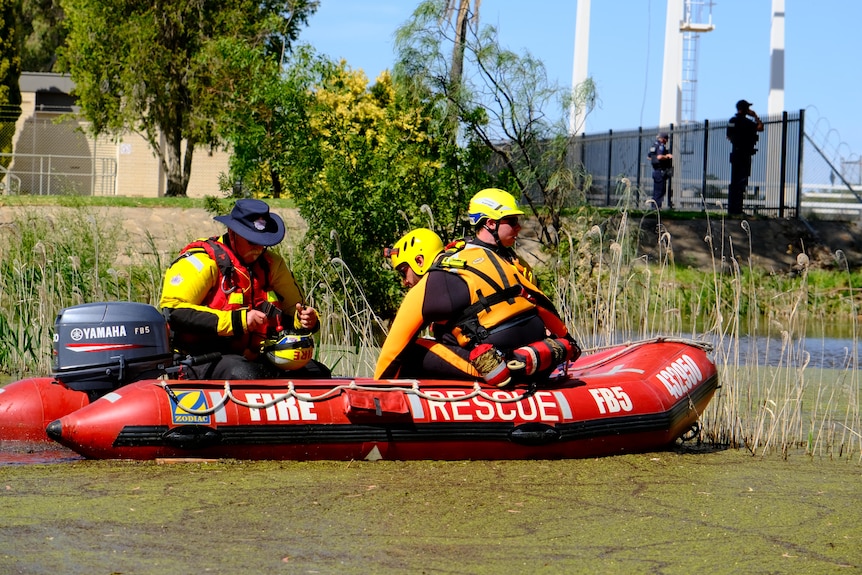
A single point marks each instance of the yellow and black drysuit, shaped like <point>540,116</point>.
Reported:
<point>206,294</point>
<point>469,296</point>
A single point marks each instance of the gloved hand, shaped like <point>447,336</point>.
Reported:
<point>491,365</point>
<point>576,349</point>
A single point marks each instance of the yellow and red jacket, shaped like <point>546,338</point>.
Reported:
<point>498,292</point>
<point>207,293</point>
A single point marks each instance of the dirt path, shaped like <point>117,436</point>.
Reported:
<point>169,229</point>
<point>770,244</point>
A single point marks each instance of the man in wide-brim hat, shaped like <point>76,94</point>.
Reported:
<point>229,294</point>
<point>253,221</point>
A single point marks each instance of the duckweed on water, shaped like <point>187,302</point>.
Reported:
<point>668,512</point>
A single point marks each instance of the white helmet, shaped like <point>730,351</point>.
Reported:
<point>290,352</point>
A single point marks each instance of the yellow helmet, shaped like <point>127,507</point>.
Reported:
<point>290,351</point>
<point>420,241</point>
<point>492,203</point>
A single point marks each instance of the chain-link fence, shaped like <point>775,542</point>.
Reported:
<point>54,156</point>
<point>9,114</point>
<point>832,187</point>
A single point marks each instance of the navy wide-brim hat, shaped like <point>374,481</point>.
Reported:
<point>252,220</point>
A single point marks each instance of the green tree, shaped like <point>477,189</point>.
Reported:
<point>153,68</point>
<point>10,72</point>
<point>43,31</point>
<point>360,160</point>
<point>268,122</point>
<point>382,172</point>
<point>504,101</point>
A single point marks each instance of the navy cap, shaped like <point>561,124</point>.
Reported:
<point>252,220</point>
<point>743,105</point>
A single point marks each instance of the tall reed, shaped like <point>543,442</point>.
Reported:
<point>609,294</point>
<point>349,329</point>
<point>53,259</point>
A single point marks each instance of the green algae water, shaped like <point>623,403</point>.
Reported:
<point>670,512</point>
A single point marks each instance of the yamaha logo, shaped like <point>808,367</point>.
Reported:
<point>101,332</point>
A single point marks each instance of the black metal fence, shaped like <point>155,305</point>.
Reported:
<point>618,164</point>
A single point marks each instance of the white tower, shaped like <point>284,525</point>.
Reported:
<point>775,104</point>
<point>577,114</point>
<point>692,26</point>
<point>671,79</point>
<point>683,27</point>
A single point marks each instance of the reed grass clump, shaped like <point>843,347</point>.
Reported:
<point>605,290</point>
<point>609,294</point>
<point>50,260</point>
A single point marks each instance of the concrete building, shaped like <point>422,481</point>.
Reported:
<point>53,153</point>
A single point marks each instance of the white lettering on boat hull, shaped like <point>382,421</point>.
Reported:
<point>681,376</point>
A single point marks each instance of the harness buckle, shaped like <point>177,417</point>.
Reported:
<point>453,262</point>
<point>227,290</point>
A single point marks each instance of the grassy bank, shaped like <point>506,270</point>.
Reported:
<point>602,287</point>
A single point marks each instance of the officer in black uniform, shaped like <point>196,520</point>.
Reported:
<point>742,131</point>
<point>662,169</point>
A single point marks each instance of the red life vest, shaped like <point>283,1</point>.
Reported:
<point>238,286</point>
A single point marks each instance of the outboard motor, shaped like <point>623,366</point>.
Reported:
<point>102,346</point>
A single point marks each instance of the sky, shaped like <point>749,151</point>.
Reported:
<point>823,40</point>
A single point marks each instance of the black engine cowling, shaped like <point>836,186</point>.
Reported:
<point>103,346</point>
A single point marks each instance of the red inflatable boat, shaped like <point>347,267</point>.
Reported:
<point>633,397</point>
<point>29,405</point>
<point>636,397</point>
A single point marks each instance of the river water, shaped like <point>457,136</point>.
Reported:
<point>25,452</point>
<point>669,513</point>
<point>820,353</point>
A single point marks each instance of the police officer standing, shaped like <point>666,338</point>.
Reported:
<point>662,169</point>
<point>742,131</point>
